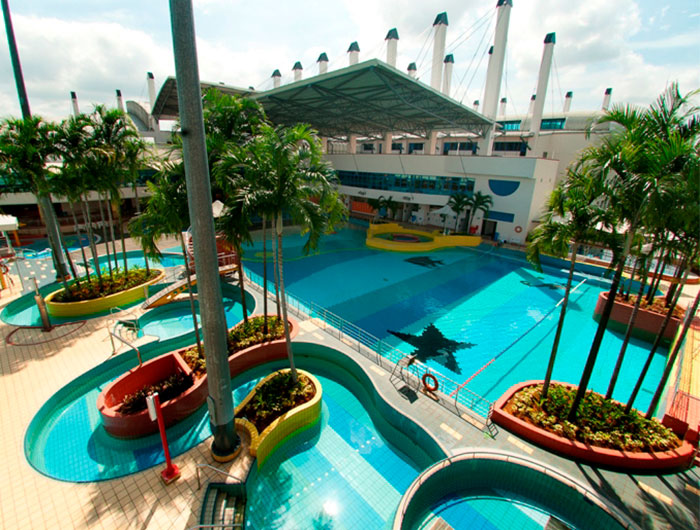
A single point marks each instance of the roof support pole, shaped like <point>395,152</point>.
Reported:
<point>74,103</point>
<point>494,72</point>
<point>392,39</point>
<point>276,79</point>
<point>432,143</point>
<point>150,80</point>
<point>386,142</point>
<point>606,98</point>
<point>567,102</point>
<point>226,443</point>
<point>447,78</point>
<point>120,101</point>
<point>542,82</point>
<point>352,144</point>
<point>440,27</point>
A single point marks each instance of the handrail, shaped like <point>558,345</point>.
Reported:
<point>199,466</point>
<point>119,338</point>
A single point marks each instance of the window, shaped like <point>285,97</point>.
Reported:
<point>549,124</point>
<point>509,146</point>
<point>512,125</point>
<point>368,147</point>
<point>414,147</point>
<point>396,146</point>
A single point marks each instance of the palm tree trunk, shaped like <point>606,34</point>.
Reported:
<point>91,237</point>
<point>70,261</point>
<point>657,343</point>
<point>104,235</point>
<point>673,285</point>
<point>80,241</point>
<point>264,242</point>
<point>121,235</point>
<point>597,340</point>
<point>689,316</point>
<point>660,266</point>
<point>108,207</point>
<point>277,278</point>
<point>239,266</point>
<point>628,335</point>
<point>560,324</point>
<point>191,297</point>
<point>285,321</point>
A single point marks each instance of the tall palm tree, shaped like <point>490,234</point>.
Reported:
<point>167,213</point>
<point>301,186</point>
<point>26,147</point>
<point>570,219</point>
<point>479,202</point>
<point>459,202</point>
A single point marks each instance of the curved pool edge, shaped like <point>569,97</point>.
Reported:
<point>447,477</point>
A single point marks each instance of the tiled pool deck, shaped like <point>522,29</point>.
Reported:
<point>30,374</point>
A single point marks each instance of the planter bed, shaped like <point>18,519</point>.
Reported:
<point>642,462</point>
<point>646,325</point>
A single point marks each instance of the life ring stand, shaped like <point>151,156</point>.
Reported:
<point>518,229</point>
<point>432,387</point>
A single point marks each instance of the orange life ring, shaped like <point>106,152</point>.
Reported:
<point>518,229</point>
<point>434,386</point>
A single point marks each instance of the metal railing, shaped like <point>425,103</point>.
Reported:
<point>213,468</point>
<point>453,396</point>
<point>113,336</point>
<point>217,525</point>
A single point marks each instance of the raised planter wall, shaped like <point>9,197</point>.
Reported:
<point>264,444</point>
<point>438,240</point>
<point>174,410</point>
<point>590,454</point>
<point>98,305</point>
<point>646,325</point>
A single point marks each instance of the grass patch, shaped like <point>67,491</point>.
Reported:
<point>600,422</point>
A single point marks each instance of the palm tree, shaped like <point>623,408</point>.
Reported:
<point>300,185</point>
<point>459,202</point>
<point>167,213</point>
<point>571,216</point>
<point>26,147</point>
<point>479,202</point>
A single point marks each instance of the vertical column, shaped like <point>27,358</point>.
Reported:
<point>567,102</point>
<point>392,39</point>
<point>440,28</point>
<point>120,101</point>
<point>353,53</point>
<point>542,82</point>
<point>150,80</point>
<point>297,69</point>
<point>606,98</point>
<point>494,72</point>
<point>447,78</point>
<point>74,103</point>
<point>322,63</point>
<point>276,79</point>
<point>412,70</point>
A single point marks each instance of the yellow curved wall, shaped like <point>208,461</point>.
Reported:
<point>438,240</point>
<point>262,445</point>
<point>88,307</point>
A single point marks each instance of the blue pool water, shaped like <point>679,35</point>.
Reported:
<point>482,303</point>
<point>495,512</point>
<point>341,472</point>
<point>24,311</point>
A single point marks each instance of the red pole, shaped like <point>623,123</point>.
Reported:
<point>171,472</point>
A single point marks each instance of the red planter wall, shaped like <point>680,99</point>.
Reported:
<point>647,323</point>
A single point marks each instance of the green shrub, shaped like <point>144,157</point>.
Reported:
<point>244,335</point>
<point>167,388</point>
<point>90,290</point>
<point>601,422</point>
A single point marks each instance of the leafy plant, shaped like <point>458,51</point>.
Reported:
<point>167,388</point>
<point>277,396</point>
<point>91,289</point>
<point>601,422</point>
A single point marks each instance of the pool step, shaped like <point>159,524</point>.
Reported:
<point>224,504</point>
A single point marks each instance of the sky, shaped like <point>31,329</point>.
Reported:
<point>637,47</point>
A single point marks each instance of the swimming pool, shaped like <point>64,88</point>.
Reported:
<point>460,308</point>
<point>24,311</point>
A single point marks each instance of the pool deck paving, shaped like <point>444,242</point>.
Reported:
<point>39,363</point>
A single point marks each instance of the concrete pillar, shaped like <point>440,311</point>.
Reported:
<point>386,143</point>
<point>352,144</point>
<point>276,79</point>
<point>440,28</point>
<point>297,69</point>
<point>412,70</point>
<point>606,98</point>
<point>432,143</point>
<point>447,77</point>
<point>74,103</point>
<point>531,108</point>
<point>353,53</point>
<point>542,81</point>
<point>567,102</point>
<point>502,107</point>
<point>151,82</point>
<point>322,63</point>
<point>475,105</point>
<point>120,101</point>
<point>494,72</point>
<point>392,39</point>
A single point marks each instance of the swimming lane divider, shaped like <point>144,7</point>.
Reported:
<point>460,387</point>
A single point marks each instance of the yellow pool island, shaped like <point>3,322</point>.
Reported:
<point>410,240</point>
